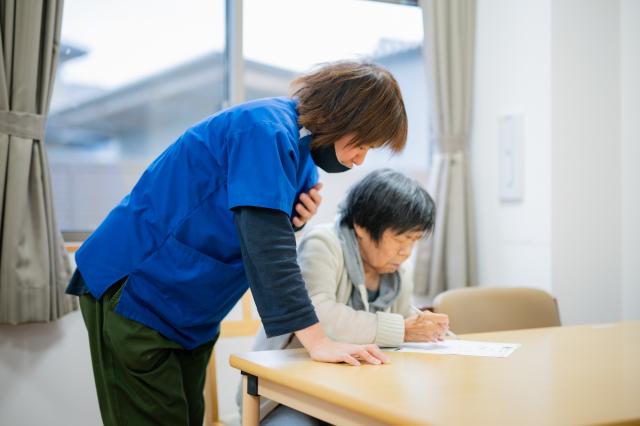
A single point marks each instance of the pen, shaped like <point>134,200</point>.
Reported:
<point>448,332</point>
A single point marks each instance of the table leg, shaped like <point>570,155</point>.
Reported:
<point>250,404</point>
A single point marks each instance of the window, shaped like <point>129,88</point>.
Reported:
<point>132,76</point>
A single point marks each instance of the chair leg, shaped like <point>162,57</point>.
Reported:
<point>211,414</point>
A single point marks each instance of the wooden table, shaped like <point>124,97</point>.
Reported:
<point>561,375</point>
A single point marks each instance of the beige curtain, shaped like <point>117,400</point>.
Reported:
<point>34,267</point>
<point>447,260</point>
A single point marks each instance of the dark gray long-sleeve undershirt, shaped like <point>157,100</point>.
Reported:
<point>268,249</point>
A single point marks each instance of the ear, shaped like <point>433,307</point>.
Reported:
<point>359,230</point>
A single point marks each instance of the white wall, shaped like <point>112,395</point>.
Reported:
<point>512,76</point>
<point>571,68</point>
<point>630,152</point>
<point>585,158</point>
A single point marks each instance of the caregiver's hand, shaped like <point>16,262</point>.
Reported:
<point>308,205</point>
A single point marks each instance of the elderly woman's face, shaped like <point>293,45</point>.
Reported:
<point>390,252</point>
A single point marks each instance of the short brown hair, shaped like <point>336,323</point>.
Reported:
<point>352,97</point>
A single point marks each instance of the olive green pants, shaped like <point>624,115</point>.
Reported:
<point>141,377</point>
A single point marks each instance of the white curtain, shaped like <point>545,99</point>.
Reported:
<point>447,259</point>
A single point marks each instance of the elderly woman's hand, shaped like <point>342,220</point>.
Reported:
<point>308,206</point>
<point>426,327</point>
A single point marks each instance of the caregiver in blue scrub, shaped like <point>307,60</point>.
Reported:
<point>213,215</point>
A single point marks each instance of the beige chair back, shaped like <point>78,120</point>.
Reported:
<point>480,309</point>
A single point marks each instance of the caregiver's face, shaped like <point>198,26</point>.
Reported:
<point>348,154</point>
<point>390,252</point>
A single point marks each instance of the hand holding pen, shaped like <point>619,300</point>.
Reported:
<point>441,320</point>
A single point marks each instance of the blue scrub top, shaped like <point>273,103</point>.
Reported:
<point>174,234</point>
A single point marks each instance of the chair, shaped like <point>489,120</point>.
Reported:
<point>481,309</point>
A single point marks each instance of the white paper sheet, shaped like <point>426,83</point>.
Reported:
<point>462,347</point>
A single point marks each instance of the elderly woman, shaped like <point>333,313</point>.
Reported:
<point>354,273</point>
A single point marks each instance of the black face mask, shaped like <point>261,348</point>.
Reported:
<point>325,157</point>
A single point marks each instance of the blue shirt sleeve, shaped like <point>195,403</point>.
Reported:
<point>269,255</point>
<point>262,168</point>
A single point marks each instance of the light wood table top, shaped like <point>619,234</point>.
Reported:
<point>561,375</point>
